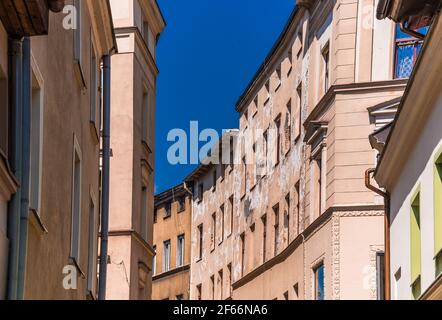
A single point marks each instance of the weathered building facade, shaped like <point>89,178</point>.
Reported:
<point>410,162</point>
<point>292,218</point>
<point>138,25</point>
<point>50,140</point>
<point>171,239</point>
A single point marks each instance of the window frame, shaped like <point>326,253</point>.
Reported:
<point>76,201</point>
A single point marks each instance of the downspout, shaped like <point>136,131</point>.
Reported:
<point>105,178</point>
<point>386,196</point>
<point>15,152</point>
<point>26,165</point>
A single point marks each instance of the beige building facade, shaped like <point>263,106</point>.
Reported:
<point>54,105</point>
<point>171,238</point>
<point>138,25</point>
<point>409,167</point>
<point>292,218</point>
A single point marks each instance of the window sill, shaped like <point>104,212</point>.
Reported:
<point>278,86</point>
<point>79,75</point>
<point>37,223</point>
<point>77,266</point>
<point>94,132</point>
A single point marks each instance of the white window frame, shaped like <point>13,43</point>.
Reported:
<point>94,90</point>
<point>180,251</point>
<point>37,126</point>
<point>93,245</point>
<point>167,250</point>
<point>76,203</point>
<point>78,47</point>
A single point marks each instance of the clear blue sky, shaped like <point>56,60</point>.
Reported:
<point>207,55</point>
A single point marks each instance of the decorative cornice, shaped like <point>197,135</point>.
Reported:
<point>140,40</point>
<point>351,88</point>
<point>136,236</point>
<point>312,229</point>
<point>170,273</point>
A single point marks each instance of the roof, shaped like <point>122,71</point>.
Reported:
<point>168,195</point>
<point>204,168</point>
<point>263,69</point>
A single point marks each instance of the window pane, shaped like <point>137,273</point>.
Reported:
<point>319,283</point>
<point>405,61</point>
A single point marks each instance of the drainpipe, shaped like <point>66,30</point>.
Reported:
<point>26,165</point>
<point>105,178</point>
<point>386,197</point>
<point>15,153</point>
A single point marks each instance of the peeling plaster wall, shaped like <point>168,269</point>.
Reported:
<point>332,239</point>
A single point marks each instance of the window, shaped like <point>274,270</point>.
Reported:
<point>168,210</point>
<point>220,283</point>
<point>298,118</point>
<point>265,146</point>
<point>255,107</point>
<point>317,172</point>
<point>287,216</point>
<point>215,178</point>
<point>296,290</point>
<point>166,256</point>
<point>145,116</point>
<point>326,66</point>
<point>181,204</point>
<point>200,192</point>
<point>222,217</point>
<point>213,237</point>
<point>407,51</point>
<point>143,213</point>
<point>155,216</point>
<point>438,213</point>
<point>278,139</point>
<point>231,214</point>
<point>180,251</point>
<point>264,237</point>
<point>92,248</point>
<point>212,283</point>
<point>267,87</point>
<point>229,278</point>
<point>319,282</point>
<point>243,251</point>
<point>298,206</point>
<point>154,261</point>
<point>94,93</point>
<point>244,163</point>
<point>290,56</point>
<point>278,78</point>
<point>36,145</point>
<point>78,50</point>
<point>415,246</point>
<point>200,242</point>
<point>276,226</point>
<point>300,41</point>
<point>380,275</point>
<point>288,126</point>
<point>199,290</point>
<point>76,204</point>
